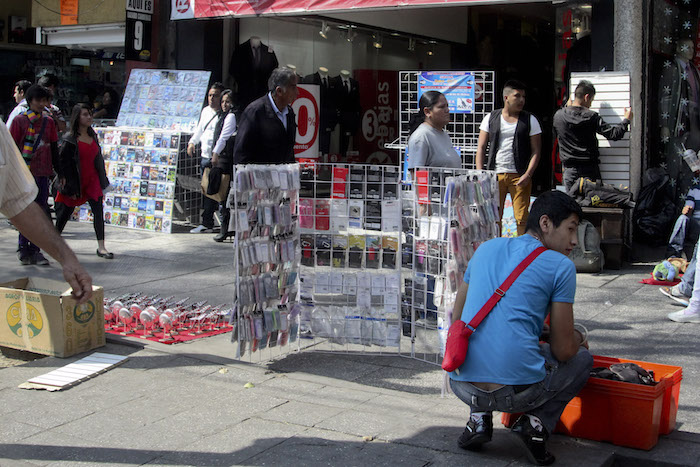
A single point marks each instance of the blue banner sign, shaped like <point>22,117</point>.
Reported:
<point>458,88</point>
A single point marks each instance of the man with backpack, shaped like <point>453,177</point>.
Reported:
<point>35,134</point>
<point>506,368</point>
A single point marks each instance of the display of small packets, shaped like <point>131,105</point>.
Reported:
<point>163,99</point>
<point>264,203</point>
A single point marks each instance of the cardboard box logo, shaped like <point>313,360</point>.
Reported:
<point>35,323</point>
<point>84,313</point>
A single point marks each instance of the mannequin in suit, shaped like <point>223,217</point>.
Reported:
<point>328,106</point>
<point>251,66</point>
<point>348,104</point>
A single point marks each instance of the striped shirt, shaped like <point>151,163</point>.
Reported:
<point>17,186</point>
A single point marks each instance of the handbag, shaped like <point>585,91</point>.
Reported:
<point>220,195</point>
<point>459,332</point>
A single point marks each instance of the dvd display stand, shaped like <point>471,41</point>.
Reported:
<point>350,231</point>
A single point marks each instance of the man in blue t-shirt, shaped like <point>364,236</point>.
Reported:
<point>507,369</point>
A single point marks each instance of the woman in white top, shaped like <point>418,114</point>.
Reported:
<point>429,145</point>
<point>222,154</point>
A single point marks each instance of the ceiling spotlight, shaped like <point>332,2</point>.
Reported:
<point>431,48</point>
<point>411,44</point>
<point>430,51</point>
<point>325,29</point>
<point>377,41</point>
<point>351,35</point>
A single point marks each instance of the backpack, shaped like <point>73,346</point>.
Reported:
<point>655,212</point>
<point>587,256</point>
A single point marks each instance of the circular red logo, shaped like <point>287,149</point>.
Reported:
<point>182,6</point>
<point>306,109</point>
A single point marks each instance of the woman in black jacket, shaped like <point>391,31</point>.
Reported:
<point>82,176</point>
<point>222,153</point>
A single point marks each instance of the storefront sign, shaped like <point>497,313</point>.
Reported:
<point>138,36</point>
<point>213,8</point>
<point>379,103</point>
<point>69,12</point>
<point>306,109</point>
<point>458,88</point>
<point>182,9</point>
<point>140,6</point>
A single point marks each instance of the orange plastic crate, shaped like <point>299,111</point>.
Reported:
<point>624,414</point>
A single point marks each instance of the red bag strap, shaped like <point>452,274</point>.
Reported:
<point>501,291</point>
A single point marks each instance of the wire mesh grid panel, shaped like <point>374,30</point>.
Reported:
<point>141,165</point>
<point>350,233</point>
<point>188,190</point>
<point>463,127</point>
<point>430,270</point>
<point>264,205</point>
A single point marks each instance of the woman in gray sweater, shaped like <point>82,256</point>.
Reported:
<point>429,145</point>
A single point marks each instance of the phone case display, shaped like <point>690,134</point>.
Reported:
<point>454,211</point>
<point>163,99</point>
<point>264,205</point>
<point>350,236</point>
<point>142,168</point>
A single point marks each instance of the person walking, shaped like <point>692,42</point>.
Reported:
<point>514,139</point>
<point>222,154</point>
<point>429,144</point>
<point>81,174</point>
<point>20,90</point>
<point>35,135</point>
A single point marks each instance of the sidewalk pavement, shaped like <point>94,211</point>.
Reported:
<point>187,404</point>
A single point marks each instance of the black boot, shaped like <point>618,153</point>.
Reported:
<point>477,433</point>
<point>533,440</point>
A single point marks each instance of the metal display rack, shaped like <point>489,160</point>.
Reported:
<point>463,128</point>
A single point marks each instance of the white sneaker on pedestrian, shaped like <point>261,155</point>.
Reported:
<point>675,294</point>
<point>686,315</point>
<point>201,229</point>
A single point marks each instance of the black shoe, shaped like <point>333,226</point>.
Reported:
<point>223,236</point>
<point>25,259</point>
<point>533,440</point>
<point>40,259</point>
<point>476,433</point>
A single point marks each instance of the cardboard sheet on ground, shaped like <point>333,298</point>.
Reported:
<point>75,373</point>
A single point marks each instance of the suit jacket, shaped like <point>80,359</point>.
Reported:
<point>348,103</point>
<point>261,137</point>
<point>329,107</point>
<point>252,79</point>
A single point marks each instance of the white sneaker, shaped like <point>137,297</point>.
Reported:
<point>675,294</point>
<point>686,315</point>
<point>201,229</point>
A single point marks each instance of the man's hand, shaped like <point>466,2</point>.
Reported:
<point>687,210</point>
<point>78,278</point>
<point>628,113</point>
<point>190,150</point>
<point>524,180</point>
<point>214,159</point>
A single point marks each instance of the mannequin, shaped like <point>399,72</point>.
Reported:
<point>350,112</point>
<point>679,109</point>
<point>328,107</point>
<point>294,69</point>
<point>251,66</point>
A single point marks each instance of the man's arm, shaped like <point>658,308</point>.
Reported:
<point>481,149</point>
<point>614,132</point>
<point>242,150</point>
<point>459,302</point>
<point>33,223</point>
<point>565,340</point>
<point>194,141</point>
<point>535,148</point>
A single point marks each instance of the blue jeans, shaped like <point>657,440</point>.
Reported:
<point>546,400</point>
<point>686,231</point>
<point>688,280</point>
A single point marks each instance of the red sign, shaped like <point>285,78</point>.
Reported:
<point>69,11</point>
<point>380,115</point>
<point>306,110</point>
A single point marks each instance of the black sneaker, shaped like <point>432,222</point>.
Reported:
<point>40,259</point>
<point>476,433</point>
<point>533,440</point>
<point>25,259</point>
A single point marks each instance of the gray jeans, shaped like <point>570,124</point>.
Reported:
<point>545,399</point>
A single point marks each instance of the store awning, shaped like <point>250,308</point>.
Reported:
<point>187,9</point>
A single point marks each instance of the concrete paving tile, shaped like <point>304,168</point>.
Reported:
<point>301,413</point>
<point>233,446</point>
<point>358,423</point>
<point>329,365</point>
<point>46,412</point>
<point>15,463</point>
<point>337,397</point>
<point>12,431</point>
<point>289,385</point>
<point>405,380</point>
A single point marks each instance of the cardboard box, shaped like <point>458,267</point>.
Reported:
<point>39,315</point>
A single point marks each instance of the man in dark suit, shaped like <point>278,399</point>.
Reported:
<point>329,107</point>
<point>251,66</point>
<point>267,128</point>
<point>350,111</point>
